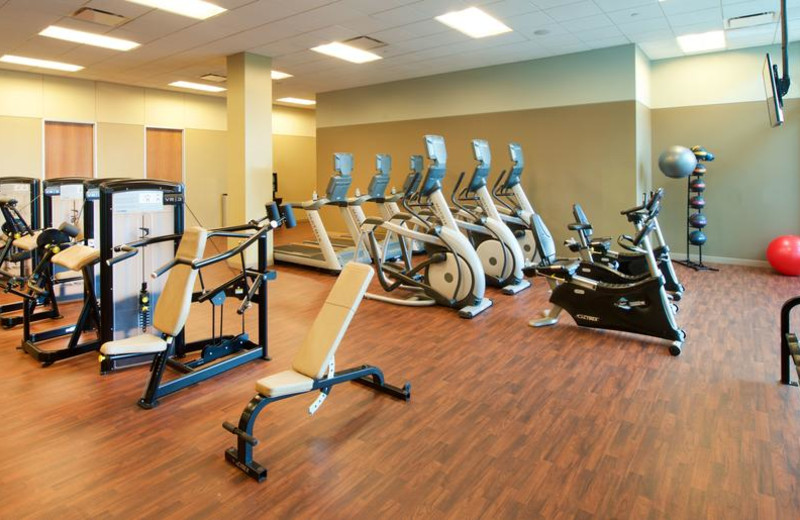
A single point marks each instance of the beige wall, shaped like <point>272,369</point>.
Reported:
<point>206,160</point>
<point>20,146</point>
<point>120,150</point>
<point>294,153</point>
<point>121,114</point>
<point>591,77</point>
<point>582,153</point>
<point>753,185</point>
<point>644,150</point>
<point>716,78</point>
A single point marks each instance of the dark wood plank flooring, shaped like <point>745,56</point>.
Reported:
<point>505,421</point>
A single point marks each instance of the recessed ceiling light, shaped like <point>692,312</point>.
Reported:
<point>701,42</point>
<point>276,75</point>
<point>192,8</point>
<point>346,52</point>
<point>196,86</point>
<point>43,64</point>
<point>97,40</point>
<point>474,22</point>
<point>297,101</point>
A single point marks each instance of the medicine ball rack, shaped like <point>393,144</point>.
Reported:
<point>696,221</point>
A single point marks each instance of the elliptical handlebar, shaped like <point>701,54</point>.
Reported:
<point>454,198</point>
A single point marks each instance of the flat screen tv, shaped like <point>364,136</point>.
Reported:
<point>774,98</point>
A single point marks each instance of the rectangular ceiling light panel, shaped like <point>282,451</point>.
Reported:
<point>276,75</point>
<point>346,52</point>
<point>474,23</point>
<point>196,86</point>
<point>702,42</point>
<point>297,101</point>
<point>42,64</point>
<point>96,40</point>
<point>192,8</point>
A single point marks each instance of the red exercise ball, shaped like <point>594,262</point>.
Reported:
<point>783,254</point>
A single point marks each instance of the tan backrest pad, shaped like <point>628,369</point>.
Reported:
<point>173,305</point>
<point>331,323</point>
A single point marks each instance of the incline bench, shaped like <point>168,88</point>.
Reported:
<point>313,367</point>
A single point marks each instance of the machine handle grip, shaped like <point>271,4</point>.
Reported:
<point>646,230</point>
<point>128,252</point>
<point>249,439</point>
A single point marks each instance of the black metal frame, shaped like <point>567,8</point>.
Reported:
<point>174,193</point>
<point>242,455</point>
<point>790,349</point>
<point>8,322</point>
<point>217,355</point>
<point>89,319</point>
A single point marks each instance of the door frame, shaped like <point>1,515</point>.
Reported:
<point>183,149</point>
<point>69,121</point>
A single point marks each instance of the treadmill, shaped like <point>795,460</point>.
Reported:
<point>324,254</point>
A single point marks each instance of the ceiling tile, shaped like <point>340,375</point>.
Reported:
<point>572,11</point>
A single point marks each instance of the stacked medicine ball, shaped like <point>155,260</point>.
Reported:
<point>697,185</point>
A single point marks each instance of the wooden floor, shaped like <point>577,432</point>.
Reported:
<point>504,422</point>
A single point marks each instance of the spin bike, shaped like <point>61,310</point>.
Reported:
<point>641,307</point>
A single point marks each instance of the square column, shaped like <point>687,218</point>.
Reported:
<point>249,140</point>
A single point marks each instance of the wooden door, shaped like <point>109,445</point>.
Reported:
<point>165,154</point>
<point>69,150</point>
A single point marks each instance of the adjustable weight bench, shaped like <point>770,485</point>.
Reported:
<point>312,367</point>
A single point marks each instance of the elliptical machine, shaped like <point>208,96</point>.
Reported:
<point>514,207</point>
<point>641,307</point>
<point>452,274</point>
<point>497,247</point>
<point>630,262</point>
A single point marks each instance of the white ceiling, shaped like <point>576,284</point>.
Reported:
<point>179,48</point>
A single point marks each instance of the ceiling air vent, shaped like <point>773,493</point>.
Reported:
<point>216,78</point>
<point>365,43</point>
<point>751,20</point>
<point>87,14</point>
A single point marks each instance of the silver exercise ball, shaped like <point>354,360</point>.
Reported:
<point>677,162</point>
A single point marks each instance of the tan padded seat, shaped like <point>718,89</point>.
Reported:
<point>284,383</point>
<point>27,242</point>
<point>141,344</point>
<point>312,360</point>
<point>174,302</point>
<point>5,199</point>
<point>76,258</point>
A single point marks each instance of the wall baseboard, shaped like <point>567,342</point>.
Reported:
<point>747,262</point>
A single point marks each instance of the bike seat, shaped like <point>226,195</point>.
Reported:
<point>603,244</point>
<point>561,269</point>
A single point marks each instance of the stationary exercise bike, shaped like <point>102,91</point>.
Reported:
<point>607,271</point>
<point>629,262</point>
<point>451,275</point>
<point>641,307</point>
<point>496,245</point>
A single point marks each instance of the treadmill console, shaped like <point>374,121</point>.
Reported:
<point>339,184</point>
<point>437,154</point>
<point>380,181</point>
